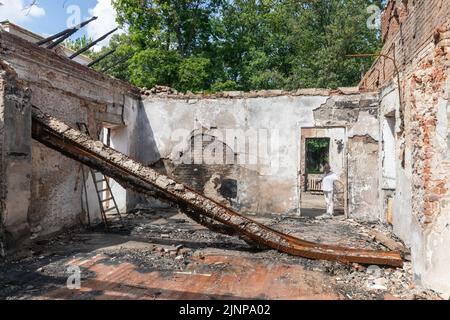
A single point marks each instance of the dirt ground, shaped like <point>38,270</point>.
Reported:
<point>164,255</point>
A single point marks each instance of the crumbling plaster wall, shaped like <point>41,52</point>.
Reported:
<point>126,140</point>
<point>174,122</point>
<point>403,189</point>
<point>359,114</point>
<point>417,35</point>
<point>73,93</point>
<point>15,157</point>
<point>428,97</point>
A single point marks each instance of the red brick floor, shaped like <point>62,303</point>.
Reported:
<point>231,277</point>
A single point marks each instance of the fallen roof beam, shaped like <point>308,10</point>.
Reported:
<point>133,175</point>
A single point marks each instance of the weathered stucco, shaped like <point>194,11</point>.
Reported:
<point>262,179</point>
<point>15,156</point>
<point>359,114</point>
<point>74,93</point>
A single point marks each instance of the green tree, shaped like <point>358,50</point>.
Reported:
<point>181,25</point>
<point>171,32</point>
<point>193,74</point>
<point>117,64</point>
<point>317,154</point>
<point>155,66</point>
<point>323,35</point>
<point>209,45</point>
<point>80,43</point>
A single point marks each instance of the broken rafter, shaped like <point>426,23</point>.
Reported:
<point>102,57</point>
<point>63,35</point>
<point>93,43</point>
<point>133,175</point>
<point>115,64</point>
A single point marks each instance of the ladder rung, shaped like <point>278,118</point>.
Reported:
<point>98,181</point>
<point>107,199</point>
<point>103,190</point>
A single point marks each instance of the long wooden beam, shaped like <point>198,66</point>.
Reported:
<point>131,174</point>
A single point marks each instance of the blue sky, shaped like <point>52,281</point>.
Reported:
<point>51,16</point>
<point>56,15</point>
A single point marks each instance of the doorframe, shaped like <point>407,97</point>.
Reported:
<point>302,151</point>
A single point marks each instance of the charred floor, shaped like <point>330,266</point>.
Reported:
<point>164,255</point>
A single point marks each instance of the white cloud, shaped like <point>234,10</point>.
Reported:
<point>106,22</point>
<point>17,11</point>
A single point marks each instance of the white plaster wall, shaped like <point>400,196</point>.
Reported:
<point>366,125</point>
<point>272,185</point>
<point>389,106</point>
<point>388,154</point>
<point>124,140</point>
<point>402,215</point>
<point>337,159</point>
<point>436,269</point>
<point>281,117</point>
<point>72,93</point>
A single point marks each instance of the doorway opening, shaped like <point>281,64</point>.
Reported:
<point>321,146</point>
<point>389,162</point>
<point>317,155</point>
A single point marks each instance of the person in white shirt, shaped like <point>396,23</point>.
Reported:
<point>328,180</point>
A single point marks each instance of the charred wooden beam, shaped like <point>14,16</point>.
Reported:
<point>107,54</point>
<point>93,43</point>
<point>61,36</point>
<point>133,175</point>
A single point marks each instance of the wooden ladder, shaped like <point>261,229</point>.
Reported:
<point>102,187</point>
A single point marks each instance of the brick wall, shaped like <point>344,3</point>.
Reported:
<point>408,28</point>
<point>416,35</point>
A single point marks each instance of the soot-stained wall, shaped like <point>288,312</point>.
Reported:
<point>243,149</point>
<point>73,93</point>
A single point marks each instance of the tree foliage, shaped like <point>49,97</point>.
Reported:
<point>213,45</point>
<point>80,43</point>
<point>117,64</point>
<point>317,154</point>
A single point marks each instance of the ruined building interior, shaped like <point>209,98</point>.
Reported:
<point>388,139</point>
